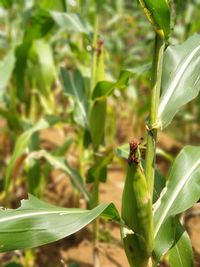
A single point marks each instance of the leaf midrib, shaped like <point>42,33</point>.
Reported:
<point>38,213</point>
<point>174,84</point>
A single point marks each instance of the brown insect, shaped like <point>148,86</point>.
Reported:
<point>133,157</point>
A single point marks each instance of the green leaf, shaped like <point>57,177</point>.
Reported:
<point>179,4</point>
<point>122,151</point>
<point>181,254</point>
<point>140,70</point>
<point>180,79</point>
<point>42,54</point>
<point>13,264</point>
<point>59,5</point>
<point>181,192</point>
<point>158,13</point>
<point>97,122</point>
<point>159,184</point>
<point>61,150</point>
<point>99,169</point>
<point>61,164</point>
<point>6,3</point>
<point>105,88</point>
<point>37,223</point>
<point>6,69</point>
<point>74,87</point>
<point>69,21</point>
<point>37,26</point>
<point>44,71</point>
<point>33,170</point>
<point>23,141</point>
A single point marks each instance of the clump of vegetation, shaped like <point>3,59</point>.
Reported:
<point>54,74</point>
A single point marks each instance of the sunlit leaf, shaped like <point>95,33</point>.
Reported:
<point>37,26</point>
<point>181,254</point>
<point>37,223</point>
<point>181,78</point>
<point>69,21</point>
<point>180,193</point>
<point>74,87</point>
<point>43,56</point>
<point>44,71</point>
<point>106,88</point>
<point>6,69</point>
<point>59,5</point>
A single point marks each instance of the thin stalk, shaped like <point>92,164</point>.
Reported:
<point>155,95</point>
<point>96,225</point>
<point>95,198</point>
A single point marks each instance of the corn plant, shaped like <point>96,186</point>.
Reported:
<point>149,221</point>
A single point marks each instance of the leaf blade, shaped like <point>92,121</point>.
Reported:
<point>29,227</point>
<point>180,79</point>
<point>22,143</point>
<point>181,254</point>
<point>181,192</point>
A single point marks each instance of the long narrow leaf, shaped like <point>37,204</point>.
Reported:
<point>37,223</point>
<point>61,164</point>
<point>23,141</point>
<point>181,254</point>
<point>74,87</point>
<point>69,21</point>
<point>181,78</point>
<point>182,191</point>
<point>6,68</point>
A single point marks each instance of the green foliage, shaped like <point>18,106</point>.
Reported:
<point>37,223</point>
<point>181,79</point>
<point>158,13</point>
<point>61,164</point>
<point>181,192</point>
<point>74,87</point>
<point>6,69</point>
<point>23,141</point>
<point>181,254</point>
<point>99,169</point>
<point>90,43</point>
<point>69,21</point>
<point>97,122</point>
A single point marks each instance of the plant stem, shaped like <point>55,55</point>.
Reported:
<point>96,225</point>
<point>155,95</point>
<point>95,198</point>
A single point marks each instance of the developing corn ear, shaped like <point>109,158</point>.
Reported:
<point>137,223</point>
